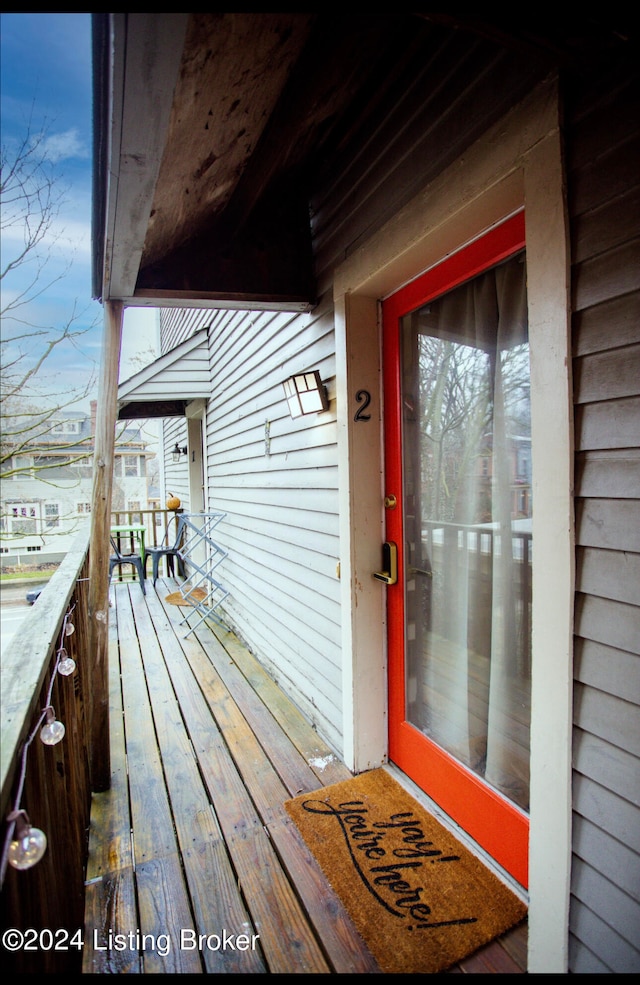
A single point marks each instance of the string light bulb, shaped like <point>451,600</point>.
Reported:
<point>66,664</point>
<point>29,844</point>
<point>53,731</point>
<point>69,629</point>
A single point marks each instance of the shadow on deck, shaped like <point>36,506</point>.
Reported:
<point>192,838</point>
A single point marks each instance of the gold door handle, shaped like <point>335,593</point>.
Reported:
<point>389,574</point>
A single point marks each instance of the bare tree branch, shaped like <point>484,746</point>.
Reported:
<point>31,398</point>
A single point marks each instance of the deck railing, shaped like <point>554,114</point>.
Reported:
<point>154,521</point>
<point>44,905</point>
<point>461,559</point>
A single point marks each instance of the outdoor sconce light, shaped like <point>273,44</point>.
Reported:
<point>178,451</point>
<point>306,394</point>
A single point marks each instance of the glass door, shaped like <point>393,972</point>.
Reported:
<point>458,461</point>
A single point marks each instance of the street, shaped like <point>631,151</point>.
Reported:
<point>13,610</point>
<point>11,618</point>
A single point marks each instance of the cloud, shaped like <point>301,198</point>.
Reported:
<point>63,146</point>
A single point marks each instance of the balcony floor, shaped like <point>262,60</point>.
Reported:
<point>192,837</point>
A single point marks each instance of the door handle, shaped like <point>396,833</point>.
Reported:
<point>421,571</point>
<point>389,574</point>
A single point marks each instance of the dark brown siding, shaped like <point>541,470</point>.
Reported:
<point>436,108</point>
<point>603,132</point>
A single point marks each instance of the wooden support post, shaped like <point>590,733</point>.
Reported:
<point>100,758</point>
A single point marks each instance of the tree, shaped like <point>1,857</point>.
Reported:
<point>32,401</point>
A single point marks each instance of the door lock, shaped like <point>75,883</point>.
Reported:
<point>389,574</point>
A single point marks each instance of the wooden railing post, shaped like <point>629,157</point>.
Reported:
<point>100,758</point>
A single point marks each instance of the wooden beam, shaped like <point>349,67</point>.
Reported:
<point>100,760</point>
<point>142,410</point>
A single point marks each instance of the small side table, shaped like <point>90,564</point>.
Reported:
<point>136,532</point>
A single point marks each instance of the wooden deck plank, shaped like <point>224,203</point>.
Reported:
<point>345,948</point>
<point>261,775</point>
<point>110,911</point>
<point>164,917</point>
<point>225,748</point>
<point>288,942</point>
<point>110,824</point>
<point>491,959</point>
<point>293,769</point>
<point>150,813</point>
<point>163,900</point>
<point>322,759</point>
<point>110,899</point>
<point>515,943</point>
<point>215,897</point>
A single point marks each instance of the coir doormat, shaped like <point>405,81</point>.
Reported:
<point>419,898</point>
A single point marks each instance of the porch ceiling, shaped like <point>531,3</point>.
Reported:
<point>211,131</point>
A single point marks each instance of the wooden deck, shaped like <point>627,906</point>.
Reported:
<point>192,838</point>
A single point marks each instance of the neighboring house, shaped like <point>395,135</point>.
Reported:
<point>432,211</point>
<point>48,489</point>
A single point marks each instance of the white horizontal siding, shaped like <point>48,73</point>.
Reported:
<point>608,717</point>
<point>621,866</point>
<point>609,574</point>
<point>276,481</point>
<point>176,479</point>
<point>612,623</point>
<point>607,669</point>
<point>608,811</point>
<point>608,766</point>
<point>590,925</point>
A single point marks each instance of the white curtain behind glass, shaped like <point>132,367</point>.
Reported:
<point>466,437</point>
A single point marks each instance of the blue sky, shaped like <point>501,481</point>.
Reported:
<point>45,80</point>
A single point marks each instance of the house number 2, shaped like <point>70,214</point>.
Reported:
<point>363,397</point>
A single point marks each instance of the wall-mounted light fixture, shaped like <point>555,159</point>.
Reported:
<point>178,451</point>
<point>306,394</point>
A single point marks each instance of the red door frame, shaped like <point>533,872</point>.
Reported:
<point>495,824</point>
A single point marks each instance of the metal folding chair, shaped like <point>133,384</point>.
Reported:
<point>169,548</point>
<point>117,559</point>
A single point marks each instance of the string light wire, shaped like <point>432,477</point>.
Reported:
<point>17,812</point>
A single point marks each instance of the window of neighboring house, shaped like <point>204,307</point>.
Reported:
<point>134,466</point>
<point>83,508</point>
<point>134,507</point>
<point>126,466</point>
<point>51,515</point>
<point>20,466</point>
<point>66,427</point>
<point>23,518</point>
<point>31,548</point>
<point>84,466</point>
<point>52,466</point>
